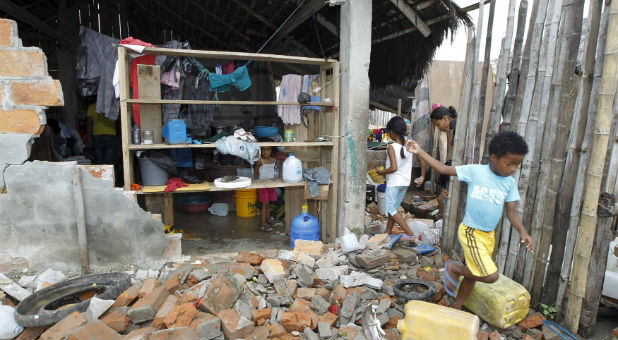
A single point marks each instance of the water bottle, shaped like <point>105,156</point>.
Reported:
<point>8,327</point>
<point>136,136</point>
<point>292,170</point>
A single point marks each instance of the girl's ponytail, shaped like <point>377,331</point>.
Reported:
<point>452,112</point>
<point>398,126</point>
<point>401,153</point>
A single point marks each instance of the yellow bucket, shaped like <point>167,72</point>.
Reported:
<point>246,202</point>
<point>379,179</point>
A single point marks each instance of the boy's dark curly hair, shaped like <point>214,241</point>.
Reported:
<point>508,142</point>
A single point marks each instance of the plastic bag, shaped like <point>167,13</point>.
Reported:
<point>219,209</point>
<point>8,327</point>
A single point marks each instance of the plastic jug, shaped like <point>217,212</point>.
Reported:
<point>612,256</point>
<point>501,304</point>
<point>175,132</point>
<point>428,321</point>
<point>8,327</point>
<point>292,170</point>
<point>304,227</point>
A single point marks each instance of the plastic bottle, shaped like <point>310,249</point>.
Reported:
<point>8,327</point>
<point>292,170</point>
<point>304,227</point>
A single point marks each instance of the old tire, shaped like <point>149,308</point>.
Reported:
<point>413,296</point>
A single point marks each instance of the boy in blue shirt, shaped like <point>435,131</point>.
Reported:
<point>490,186</point>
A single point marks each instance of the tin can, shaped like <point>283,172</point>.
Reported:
<point>288,136</point>
<point>136,135</point>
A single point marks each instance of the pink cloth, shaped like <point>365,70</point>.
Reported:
<point>267,195</point>
<point>229,67</point>
<point>435,106</point>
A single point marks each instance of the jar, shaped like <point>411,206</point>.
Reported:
<point>148,137</point>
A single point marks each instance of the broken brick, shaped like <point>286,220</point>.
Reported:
<point>339,293</point>
<point>295,321</point>
<point>148,286</point>
<point>272,269</point>
<point>147,307</point>
<point>172,284</point>
<point>373,258</point>
<point>180,316</point>
<point>258,333</point>
<point>532,321</point>
<point>127,296</point>
<point>31,333</point>
<point>221,295</point>
<point>96,330</point>
<point>169,304</point>
<point>116,320</point>
<point>300,305</point>
<point>234,325</point>
<point>206,326</point>
<point>63,327</point>
<point>432,275</point>
<point>181,333</point>
<point>140,333</point>
<point>494,335</point>
<point>276,330</point>
<point>482,335</point>
<point>252,258</point>
<point>305,293</point>
<point>313,248</point>
<point>261,315</point>
<point>328,317</point>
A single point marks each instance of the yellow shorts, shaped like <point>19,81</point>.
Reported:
<point>478,246</point>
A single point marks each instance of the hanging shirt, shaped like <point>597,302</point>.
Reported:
<point>100,124</point>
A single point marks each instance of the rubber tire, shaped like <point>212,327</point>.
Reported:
<point>114,284</point>
<point>431,290</point>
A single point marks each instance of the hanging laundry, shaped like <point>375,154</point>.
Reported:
<point>233,146</point>
<point>311,85</point>
<point>229,67</point>
<point>239,79</point>
<point>199,116</point>
<point>96,61</point>
<point>143,60</point>
<point>171,78</point>
<point>171,111</point>
<point>288,92</point>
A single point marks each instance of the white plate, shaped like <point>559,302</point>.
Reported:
<point>241,182</point>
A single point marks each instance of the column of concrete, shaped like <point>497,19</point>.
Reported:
<point>355,50</point>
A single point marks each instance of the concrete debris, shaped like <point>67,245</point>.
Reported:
<point>373,258</point>
<point>378,241</point>
<point>332,273</point>
<point>359,279</point>
<point>97,307</point>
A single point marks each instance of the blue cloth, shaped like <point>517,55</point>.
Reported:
<point>487,193</point>
<point>221,82</point>
<point>184,158</point>
<point>393,198</point>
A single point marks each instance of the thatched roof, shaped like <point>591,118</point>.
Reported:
<point>400,53</point>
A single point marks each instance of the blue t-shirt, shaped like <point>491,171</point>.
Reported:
<point>487,193</point>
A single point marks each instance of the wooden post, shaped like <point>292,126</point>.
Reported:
<point>168,208</point>
<point>80,218</point>
<point>474,111</point>
<point>399,106</point>
<point>125,126</point>
<point>480,137</point>
<point>588,219</point>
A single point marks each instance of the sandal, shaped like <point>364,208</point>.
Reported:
<point>265,228</point>
<point>448,279</point>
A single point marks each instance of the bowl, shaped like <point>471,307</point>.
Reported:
<point>194,204</point>
<point>265,131</point>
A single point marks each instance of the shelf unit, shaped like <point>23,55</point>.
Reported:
<point>322,123</point>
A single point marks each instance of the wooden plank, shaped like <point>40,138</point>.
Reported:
<point>294,199</point>
<point>125,127</point>
<point>80,217</point>
<point>212,145</point>
<point>149,85</point>
<point>218,102</point>
<point>335,153</point>
<point>256,184</point>
<point>13,289</point>
<point>236,56</point>
<point>414,18</point>
<point>204,186</point>
<point>168,208</point>
<point>154,203</point>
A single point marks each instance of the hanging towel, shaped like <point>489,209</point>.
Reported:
<point>311,84</point>
<point>172,77</point>
<point>288,92</point>
<point>239,79</point>
<point>199,116</point>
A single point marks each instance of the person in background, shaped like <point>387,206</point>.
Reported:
<point>490,187</point>
<point>265,169</point>
<point>103,134</point>
<point>398,173</point>
<point>445,119</point>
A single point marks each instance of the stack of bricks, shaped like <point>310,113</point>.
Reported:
<point>26,89</point>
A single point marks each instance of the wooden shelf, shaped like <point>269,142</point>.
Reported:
<point>219,102</point>
<point>236,56</point>
<point>256,184</point>
<point>212,145</point>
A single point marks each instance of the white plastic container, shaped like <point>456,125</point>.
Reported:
<point>292,170</point>
<point>610,285</point>
<point>418,227</point>
<point>8,327</point>
<point>219,209</point>
<point>349,243</point>
<point>612,259</point>
<point>381,204</point>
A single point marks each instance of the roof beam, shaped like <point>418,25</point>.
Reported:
<point>327,24</point>
<point>306,12</point>
<point>414,18</point>
<point>23,15</point>
<point>423,5</point>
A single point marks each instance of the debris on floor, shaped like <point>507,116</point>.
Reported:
<point>315,291</point>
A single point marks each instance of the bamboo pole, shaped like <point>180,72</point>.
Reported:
<point>588,219</point>
<point>584,150</point>
<point>562,105</point>
<point>611,162</point>
<point>578,128</point>
<point>537,24</point>
<point>515,64</point>
<point>475,110</point>
<point>480,137</point>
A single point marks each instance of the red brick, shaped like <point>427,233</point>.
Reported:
<point>147,307</point>
<point>148,286</point>
<point>494,335</point>
<point>6,31</point>
<point>181,333</point>
<point>116,320</point>
<point>532,321</point>
<point>63,327</point>
<point>230,324</point>
<point>172,284</point>
<point>221,295</point>
<point>41,92</point>
<point>191,294</point>
<point>22,62</point>
<point>314,319</point>
<point>206,325</point>
<point>276,330</point>
<point>83,296</point>
<point>295,321</point>
<point>140,334</point>
<point>392,323</point>
<point>96,330</point>
<point>261,315</point>
<point>180,316</point>
<point>167,306</point>
<point>300,305</point>
<point>31,333</point>
<point>19,121</point>
<point>127,296</point>
<point>328,317</point>
<point>339,293</point>
<point>482,335</point>
<point>432,275</point>
<point>258,333</point>
<point>252,258</point>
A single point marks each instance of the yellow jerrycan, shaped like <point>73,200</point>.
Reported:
<point>501,304</point>
<point>428,321</point>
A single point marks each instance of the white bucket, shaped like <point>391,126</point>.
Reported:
<point>381,204</point>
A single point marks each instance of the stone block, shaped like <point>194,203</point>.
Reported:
<point>305,293</point>
<point>284,291</point>
<point>295,321</point>
<point>243,308</point>
<point>63,327</point>
<point>309,334</point>
<point>234,325</point>
<point>221,295</point>
<point>22,62</point>
<point>272,268</point>
<point>197,276</point>
<point>305,275</point>
<point>170,302</point>
<point>140,333</point>
<point>332,273</point>
<point>244,269</point>
<point>349,304</point>
<point>313,248</point>
<point>180,316</point>
<point>46,92</point>
<point>378,241</point>
<point>251,258</point>
<point>260,316</point>
<point>182,333</point>
<point>19,121</point>
<point>404,254</point>
<point>147,307</point>
<point>303,258</point>
<point>148,286</point>
<point>206,326</point>
<point>535,333</point>
<point>116,320</point>
<point>96,330</point>
<point>319,305</point>
<point>324,330</point>
<point>373,258</point>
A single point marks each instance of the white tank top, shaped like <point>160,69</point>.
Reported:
<point>403,175</point>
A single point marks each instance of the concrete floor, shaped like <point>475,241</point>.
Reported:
<point>217,234</point>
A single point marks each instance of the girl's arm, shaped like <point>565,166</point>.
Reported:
<point>414,148</point>
<point>513,216</point>
<point>390,151</point>
<point>256,169</point>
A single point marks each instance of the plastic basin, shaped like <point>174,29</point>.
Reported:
<point>265,131</point>
<point>194,204</point>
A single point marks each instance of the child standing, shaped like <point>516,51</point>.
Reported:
<point>265,169</point>
<point>398,173</point>
<point>490,186</point>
